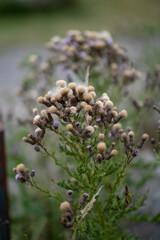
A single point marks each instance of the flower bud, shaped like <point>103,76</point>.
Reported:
<point>56,124</point>
<point>91,152</point>
<point>83,200</point>
<point>70,192</point>
<point>32,173</point>
<point>36,148</point>
<point>111,147</point>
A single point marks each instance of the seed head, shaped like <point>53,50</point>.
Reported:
<point>44,113</point>
<point>40,100</point>
<point>127,73</point>
<point>20,167</point>
<point>88,108</point>
<point>69,127</point>
<point>53,99</point>
<point>105,97</point>
<point>90,129</point>
<point>52,109</point>
<point>101,136</point>
<point>87,97</point>
<point>58,97</point>
<point>72,86</point>
<point>24,139</point>
<point>61,83</point>
<point>91,89</point>
<point>114,152</point>
<point>117,126</point>
<point>101,146</point>
<point>65,206</point>
<point>89,118</point>
<point>38,131</point>
<point>93,94</point>
<point>83,104</point>
<point>81,89</point>
<point>73,180</point>
<point>88,59</point>
<point>99,104</point>
<point>35,110</point>
<point>64,91</point>
<point>73,110</point>
<point>123,114</point>
<point>114,113</point>
<point>123,135</point>
<point>109,104</point>
<point>131,134</point>
<point>145,137</point>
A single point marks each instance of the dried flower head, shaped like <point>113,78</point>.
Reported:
<point>65,206</point>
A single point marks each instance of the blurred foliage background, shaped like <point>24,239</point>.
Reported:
<point>37,20</point>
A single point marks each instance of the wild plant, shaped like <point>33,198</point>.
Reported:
<point>94,153</point>
<point>71,57</point>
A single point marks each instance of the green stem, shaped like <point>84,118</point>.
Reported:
<point>37,187</point>
<point>69,143</point>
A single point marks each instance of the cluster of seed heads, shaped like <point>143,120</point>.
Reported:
<point>90,48</point>
<point>68,213</point>
<point>84,116</point>
<point>22,173</point>
<point>75,52</point>
<point>130,145</point>
<point>70,57</point>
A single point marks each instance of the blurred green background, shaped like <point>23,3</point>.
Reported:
<point>21,22</point>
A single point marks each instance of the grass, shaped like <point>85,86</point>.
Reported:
<point>137,18</point>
